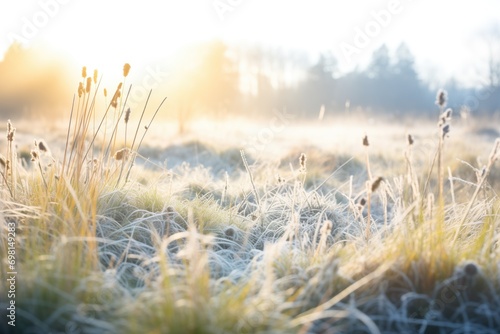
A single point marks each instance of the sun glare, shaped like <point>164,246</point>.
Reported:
<point>107,34</point>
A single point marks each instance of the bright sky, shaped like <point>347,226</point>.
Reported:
<point>443,35</point>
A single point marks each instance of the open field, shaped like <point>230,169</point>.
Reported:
<point>310,230</point>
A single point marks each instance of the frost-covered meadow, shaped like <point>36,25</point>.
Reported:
<point>238,226</point>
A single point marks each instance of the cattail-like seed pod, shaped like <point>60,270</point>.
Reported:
<point>105,92</point>
<point>95,76</point>
<point>11,131</point>
<point>84,72</point>
<point>89,84</point>
<point>448,113</point>
<point>121,154</point>
<point>303,162</point>
<point>365,141</point>
<point>116,96</point>
<point>410,140</point>
<point>362,201</point>
<point>34,155</point>
<point>126,69</point>
<point>445,117</point>
<point>446,130</point>
<point>80,89</point>
<point>376,183</point>
<point>441,98</point>
<point>10,136</point>
<point>42,146</point>
<point>127,115</point>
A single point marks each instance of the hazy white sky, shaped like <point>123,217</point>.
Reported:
<point>444,36</point>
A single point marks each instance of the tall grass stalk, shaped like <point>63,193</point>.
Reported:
<point>249,172</point>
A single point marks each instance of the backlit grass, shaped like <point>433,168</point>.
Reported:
<point>314,241</point>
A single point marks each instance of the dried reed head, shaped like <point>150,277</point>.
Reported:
<point>84,72</point>
<point>365,141</point>
<point>127,116</point>
<point>303,162</point>
<point>445,130</point>
<point>34,155</point>
<point>42,146</point>
<point>80,89</point>
<point>89,84</point>
<point>116,96</point>
<point>11,131</point>
<point>95,76</point>
<point>376,183</point>
<point>121,154</point>
<point>410,140</point>
<point>441,98</point>
<point>126,69</point>
<point>445,117</point>
<point>105,92</point>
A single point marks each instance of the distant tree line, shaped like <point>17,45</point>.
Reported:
<point>388,85</point>
<point>216,79</point>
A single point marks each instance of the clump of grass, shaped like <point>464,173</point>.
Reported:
<point>66,195</point>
